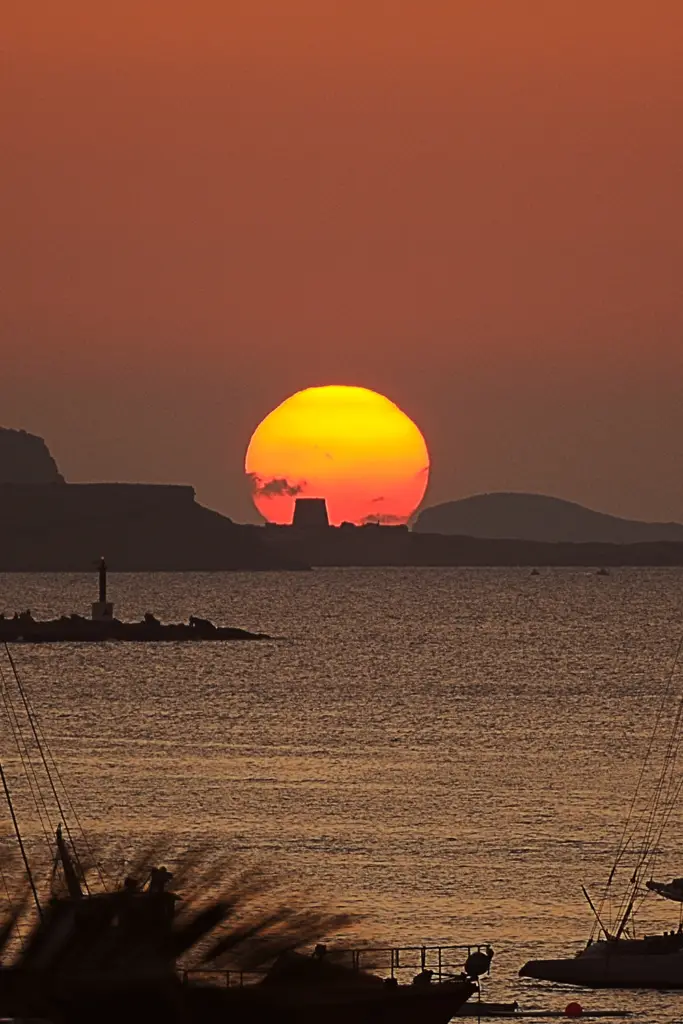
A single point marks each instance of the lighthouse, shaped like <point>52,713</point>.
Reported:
<point>102,610</point>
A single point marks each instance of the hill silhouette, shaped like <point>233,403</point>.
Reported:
<point>538,517</point>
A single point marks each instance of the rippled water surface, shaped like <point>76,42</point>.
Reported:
<point>448,753</point>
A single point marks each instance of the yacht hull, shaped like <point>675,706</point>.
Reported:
<point>663,971</point>
<point>106,999</point>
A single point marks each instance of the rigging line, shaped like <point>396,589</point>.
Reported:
<point>21,843</point>
<point>672,747</point>
<point>651,818</point>
<point>31,718</point>
<point>666,781</point>
<point>40,735</point>
<point>648,847</point>
<point>10,903</point>
<point>631,840</point>
<point>648,850</point>
<point>669,767</point>
<point>671,743</point>
<point>70,805</point>
<point>86,842</point>
<point>645,894</point>
<point>28,766</point>
<point>623,842</point>
<point>72,809</point>
<point>648,753</point>
<point>26,762</point>
<point>671,799</point>
<point>665,821</point>
<point>648,865</point>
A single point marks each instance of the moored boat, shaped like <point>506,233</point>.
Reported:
<point>654,961</point>
<point>615,956</point>
<point>112,952</point>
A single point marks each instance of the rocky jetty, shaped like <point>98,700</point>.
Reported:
<point>76,629</point>
<point>103,626</point>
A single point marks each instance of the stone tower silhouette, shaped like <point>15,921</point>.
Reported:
<point>309,512</point>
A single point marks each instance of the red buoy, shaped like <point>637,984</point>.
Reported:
<point>573,1010</point>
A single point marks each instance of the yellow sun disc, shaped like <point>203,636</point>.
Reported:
<point>349,445</point>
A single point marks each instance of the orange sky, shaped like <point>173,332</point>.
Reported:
<point>472,207</point>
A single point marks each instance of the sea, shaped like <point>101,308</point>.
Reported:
<point>447,755</point>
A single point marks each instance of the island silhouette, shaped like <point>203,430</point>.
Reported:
<point>49,525</point>
<point>539,517</point>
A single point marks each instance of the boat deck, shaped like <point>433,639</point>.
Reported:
<point>400,962</point>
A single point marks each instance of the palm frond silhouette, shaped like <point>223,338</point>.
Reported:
<point>92,955</point>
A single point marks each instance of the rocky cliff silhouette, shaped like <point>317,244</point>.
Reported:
<point>538,517</point>
<point>26,459</point>
<point>47,525</point>
<point>138,527</point>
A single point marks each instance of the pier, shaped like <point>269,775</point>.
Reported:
<point>103,626</point>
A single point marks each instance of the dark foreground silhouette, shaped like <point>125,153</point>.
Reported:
<point>142,527</point>
<point>114,956</point>
<point>376,545</point>
<point>23,628</point>
<point>47,525</point>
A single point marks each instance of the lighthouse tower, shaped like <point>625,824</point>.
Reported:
<point>103,610</point>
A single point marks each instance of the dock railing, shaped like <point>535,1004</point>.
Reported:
<point>384,961</point>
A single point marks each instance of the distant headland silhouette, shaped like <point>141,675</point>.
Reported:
<point>49,525</point>
<point>519,516</point>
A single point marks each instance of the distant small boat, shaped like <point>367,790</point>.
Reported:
<point>603,572</point>
<point>534,572</point>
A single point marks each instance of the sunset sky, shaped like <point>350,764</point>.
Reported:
<point>474,208</point>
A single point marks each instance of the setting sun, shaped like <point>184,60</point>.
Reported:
<point>349,445</point>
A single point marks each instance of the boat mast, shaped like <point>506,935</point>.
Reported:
<point>42,746</point>
<point>597,915</point>
<point>21,842</point>
<point>667,789</point>
<point>626,915</point>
